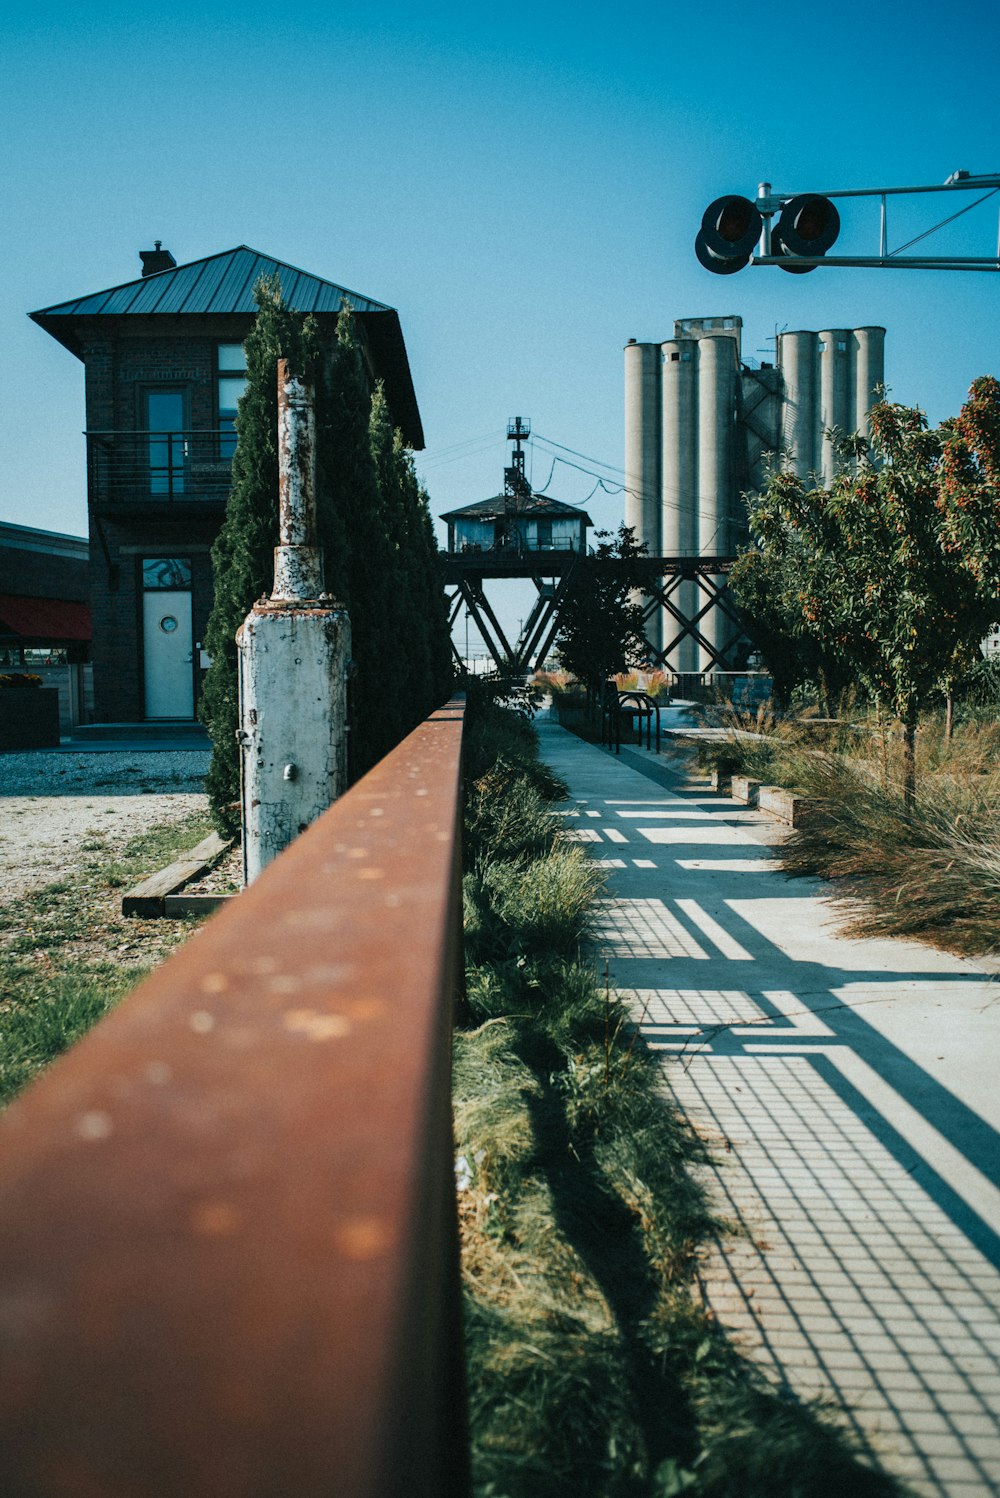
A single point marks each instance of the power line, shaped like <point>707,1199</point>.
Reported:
<point>466,442</point>
<point>587,459</point>
<point>548,481</point>
<point>609,486</point>
<point>457,457</point>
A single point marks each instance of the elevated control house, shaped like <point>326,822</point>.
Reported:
<point>164,371</point>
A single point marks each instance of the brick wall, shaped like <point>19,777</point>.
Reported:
<point>36,574</point>
<point>117,601</point>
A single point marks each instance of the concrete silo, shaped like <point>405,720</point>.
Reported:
<point>868,350</point>
<point>836,398</point>
<point>829,380</point>
<point>702,427</point>
<point>798,362</point>
<point>642,455</point>
<point>679,475</point>
<point>717,380</point>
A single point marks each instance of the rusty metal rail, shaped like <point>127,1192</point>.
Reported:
<point>228,1247</point>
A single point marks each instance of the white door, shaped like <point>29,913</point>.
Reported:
<point>167,642</point>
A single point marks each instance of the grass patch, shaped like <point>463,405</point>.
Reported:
<point>931,871</point>
<point>67,955</point>
<point>50,1014</point>
<point>594,1370</point>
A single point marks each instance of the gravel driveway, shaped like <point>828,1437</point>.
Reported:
<point>52,803</point>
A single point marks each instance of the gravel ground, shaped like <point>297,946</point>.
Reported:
<point>53,803</point>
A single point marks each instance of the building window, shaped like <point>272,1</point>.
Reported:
<point>164,418</point>
<point>231,381</point>
<point>543,534</point>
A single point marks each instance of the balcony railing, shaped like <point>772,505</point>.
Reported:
<point>228,1236</point>
<point>515,546</point>
<point>126,467</point>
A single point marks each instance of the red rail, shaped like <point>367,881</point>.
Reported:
<point>228,1247</point>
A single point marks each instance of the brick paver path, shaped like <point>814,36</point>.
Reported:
<point>851,1092</point>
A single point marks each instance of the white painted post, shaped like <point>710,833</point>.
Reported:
<point>294,649</point>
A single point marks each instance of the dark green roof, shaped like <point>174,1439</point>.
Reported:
<point>222,285</point>
<point>533,506</point>
<point>218,284</point>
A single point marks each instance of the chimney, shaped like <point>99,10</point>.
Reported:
<point>156,260</point>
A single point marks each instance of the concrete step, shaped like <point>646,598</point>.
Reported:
<point>194,734</point>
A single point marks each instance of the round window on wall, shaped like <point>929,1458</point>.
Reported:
<point>168,624</point>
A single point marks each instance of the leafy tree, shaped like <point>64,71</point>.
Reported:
<point>354,530</point>
<point>379,555</point>
<point>765,592</point>
<point>243,552</point>
<point>970,485</point>
<point>600,622</point>
<point>416,609</point>
<point>893,572</point>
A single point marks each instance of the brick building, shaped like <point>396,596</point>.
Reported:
<point>164,370</point>
<point>44,615</point>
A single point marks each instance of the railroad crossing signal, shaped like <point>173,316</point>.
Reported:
<point>737,231</point>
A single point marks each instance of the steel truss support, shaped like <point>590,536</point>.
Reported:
<point>709,575</point>
<point>467,589</point>
<point>537,633</point>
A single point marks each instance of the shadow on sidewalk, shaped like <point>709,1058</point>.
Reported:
<point>870,1257</point>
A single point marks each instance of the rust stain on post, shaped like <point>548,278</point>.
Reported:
<point>297,573</point>
<point>296,458</point>
<point>228,1250</point>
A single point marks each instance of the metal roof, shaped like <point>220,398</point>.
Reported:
<point>535,506</point>
<point>221,283</point>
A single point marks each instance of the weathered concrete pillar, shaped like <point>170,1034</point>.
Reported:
<point>294,649</point>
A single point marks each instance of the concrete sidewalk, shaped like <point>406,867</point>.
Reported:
<point>849,1090</point>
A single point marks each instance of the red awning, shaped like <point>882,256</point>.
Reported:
<point>47,621</point>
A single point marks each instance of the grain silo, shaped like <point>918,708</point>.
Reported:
<point>703,426</point>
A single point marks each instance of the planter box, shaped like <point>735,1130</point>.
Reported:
<point>29,718</point>
<point>744,789</point>
<point>781,804</point>
<point>570,715</point>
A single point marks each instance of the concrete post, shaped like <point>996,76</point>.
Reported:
<point>294,649</point>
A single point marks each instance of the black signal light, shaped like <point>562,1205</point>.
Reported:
<point>730,230</point>
<point>808,225</point>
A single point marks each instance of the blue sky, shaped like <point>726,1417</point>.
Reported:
<point>524,186</point>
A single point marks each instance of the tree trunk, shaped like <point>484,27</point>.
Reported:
<point>949,715</point>
<point>823,694</point>
<point>885,745</point>
<point>910,761</point>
